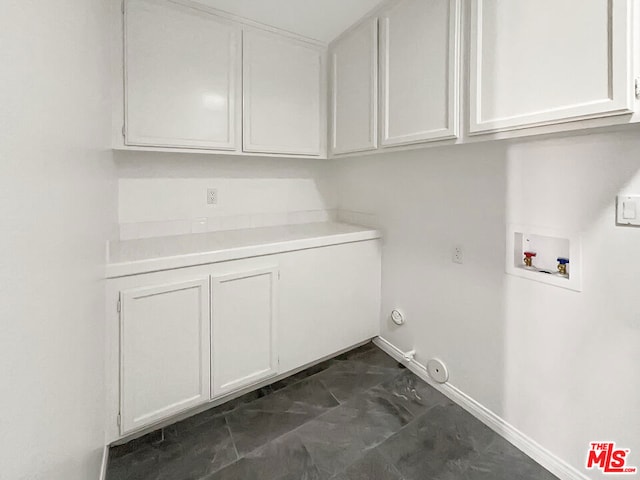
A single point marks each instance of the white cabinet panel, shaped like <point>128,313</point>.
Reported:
<point>354,92</point>
<point>180,76</point>
<point>548,61</point>
<point>329,300</point>
<point>187,335</point>
<point>419,71</point>
<point>283,81</point>
<point>244,335</point>
<point>164,349</point>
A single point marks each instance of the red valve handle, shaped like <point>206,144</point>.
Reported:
<point>530,254</point>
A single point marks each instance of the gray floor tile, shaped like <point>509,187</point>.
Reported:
<point>259,422</point>
<point>447,443</point>
<point>372,466</point>
<point>377,357</point>
<point>369,354</point>
<point>181,455</point>
<point>136,444</point>
<point>342,436</point>
<point>412,393</point>
<point>502,461</point>
<point>221,410</point>
<point>285,458</point>
<point>355,352</point>
<point>139,465</point>
<point>441,439</point>
<point>345,379</point>
<point>360,416</point>
<point>295,378</point>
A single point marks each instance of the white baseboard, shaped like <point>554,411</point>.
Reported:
<point>105,461</point>
<point>544,457</point>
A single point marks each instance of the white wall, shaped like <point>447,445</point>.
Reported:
<point>57,205</point>
<point>559,365</point>
<point>166,194</point>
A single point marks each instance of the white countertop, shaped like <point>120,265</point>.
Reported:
<point>146,255</point>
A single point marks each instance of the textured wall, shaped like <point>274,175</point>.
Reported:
<point>559,365</point>
<point>58,207</point>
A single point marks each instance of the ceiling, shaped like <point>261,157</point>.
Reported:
<point>321,20</point>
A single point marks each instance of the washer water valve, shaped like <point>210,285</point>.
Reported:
<point>528,258</point>
<point>562,265</point>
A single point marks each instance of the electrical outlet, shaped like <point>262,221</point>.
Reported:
<point>212,196</point>
<point>458,256</point>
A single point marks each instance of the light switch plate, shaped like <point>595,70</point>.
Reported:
<point>628,210</point>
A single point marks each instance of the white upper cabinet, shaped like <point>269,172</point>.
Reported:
<point>283,94</point>
<point>199,79</point>
<point>419,52</point>
<point>548,61</point>
<point>181,76</point>
<point>354,90</point>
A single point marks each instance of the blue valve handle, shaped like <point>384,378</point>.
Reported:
<point>563,261</point>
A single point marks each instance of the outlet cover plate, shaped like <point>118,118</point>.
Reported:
<point>212,196</point>
<point>458,255</point>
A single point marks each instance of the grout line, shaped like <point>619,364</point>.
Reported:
<point>375,347</point>
<point>301,425</point>
<point>377,444</point>
<point>326,412</point>
<point>327,389</point>
<point>242,404</point>
<point>233,442</point>
<point>293,431</point>
<point>364,452</point>
<point>301,380</point>
<point>330,393</point>
<point>332,360</point>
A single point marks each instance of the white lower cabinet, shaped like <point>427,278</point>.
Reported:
<point>164,351</point>
<point>189,336</point>
<point>329,301</point>
<point>244,329</point>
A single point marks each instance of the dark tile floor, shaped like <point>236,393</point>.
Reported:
<point>359,416</point>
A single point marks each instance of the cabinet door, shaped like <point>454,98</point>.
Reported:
<point>548,61</point>
<point>244,335</point>
<point>354,92</point>
<point>419,71</point>
<point>180,76</point>
<point>283,81</point>
<point>165,352</point>
<point>329,301</point>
